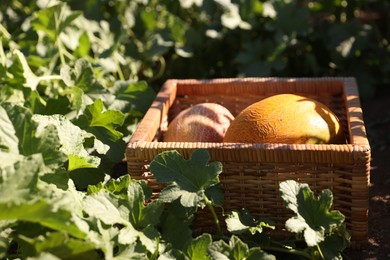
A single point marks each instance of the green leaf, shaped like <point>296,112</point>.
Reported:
<point>215,193</point>
<point>106,207</point>
<point>141,215</point>
<point>288,191</point>
<point>4,242</point>
<point>76,162</point>
<point>83,177</point>
<point>131,95</point>
<point>255,253</point>
<point>102,123</point>
<point>157,46</point>
<point>335,243</point>
<point>8,139</point>
<point>81,76</point>
<point>34,102</point>
<point>46,256</point>
<point>12,77</point>
<point>44,213</point>
<point>172,254</point>
<point>197,248</point>
<point>106,236</point>
<point>240,222</point>
<point>189,179</point>
<point>176,224</point>
<point>44,20</point>
<point>59,177</point>
<point>138,220</point>
<point>24,127</point>
<point>134,251</point>
<point>84,45</point>
<point>60,245</point>
<point>71,139</point>
<point>104,126</point>
<point>129,211</point>
<point>115,186</point>
<point>109,119</point>
<point>31,80</point>
<point>55,137</point>
<point>147,236</point>
<point>58,105</point>
<point>29,200</point>
<point>18,179</point>
<point>11,94</point>
<point>314,215</point>
<point>236,250</point>
<point>220,250</point>
<point>70,17</point>
<point>29,170</point>
<point>54,20</point>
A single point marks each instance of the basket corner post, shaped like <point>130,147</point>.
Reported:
<point>360,200</point>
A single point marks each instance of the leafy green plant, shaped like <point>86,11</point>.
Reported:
<point>321,229</point>
<point>154,40</point>
<point>111,219</point>
<point>81,117</point>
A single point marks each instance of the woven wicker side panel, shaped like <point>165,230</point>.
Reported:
<point>261,86</point>
<point>255,186</point>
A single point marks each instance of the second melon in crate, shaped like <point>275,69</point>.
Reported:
<point>288,119</point>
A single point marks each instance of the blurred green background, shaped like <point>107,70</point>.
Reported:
<point>155,40</point>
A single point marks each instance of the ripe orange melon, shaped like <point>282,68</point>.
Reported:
<point>285,118</point>
<point>205,122</point>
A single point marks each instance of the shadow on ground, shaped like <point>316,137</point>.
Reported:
<point>376,114</point>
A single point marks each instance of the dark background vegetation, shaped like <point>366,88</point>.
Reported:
<point>172,39</point>
<point>157,40</point>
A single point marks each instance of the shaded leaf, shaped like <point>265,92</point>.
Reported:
<point>44,213</point>
<point>236,250</point>
<point>189,179</point>
<point>314,215</point>
<point>141,215</point>
<point>334,244</point>
<point>240,222</point>
<point>176,224</point>
<point>61,245</point>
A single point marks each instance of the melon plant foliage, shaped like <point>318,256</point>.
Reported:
<point>77,76</point>
<point>111,220</point>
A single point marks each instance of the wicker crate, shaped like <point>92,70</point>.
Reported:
<point>252,172</point>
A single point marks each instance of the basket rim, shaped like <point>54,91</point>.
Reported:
<point>251,146</point>
<point>165,97</point>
